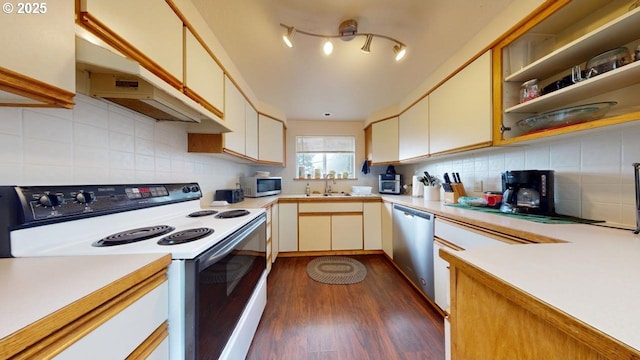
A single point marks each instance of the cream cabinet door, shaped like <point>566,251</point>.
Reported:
<point>158,36</point>
<point>202,74</point>
<point>288,225</point>
<point>385,141</point>
<point>234,118</point>
<point>372,226</point>
<point>387,229</point>
<point>413,131</point>
<point>275,232</point>
<point>346,232</point>
<point>315,232</point>
<point>270,140</point>
<point>460,109</point>
<point>251,131</point>
<point>38,47</point>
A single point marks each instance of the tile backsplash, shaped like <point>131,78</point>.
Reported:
<point>101,143</point>
<point>593,173</point>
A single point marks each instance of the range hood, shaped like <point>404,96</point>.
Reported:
<point>113,77</point>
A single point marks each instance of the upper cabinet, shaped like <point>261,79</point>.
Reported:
<point>251,131</point>
<point>554,48</point>
<point>270,141</point>
<point>37,67</point>
<point>413,132</point>
<point>156,43</point>
<point>384,141</point>
<point>460,109</point>
<point>204,79</point>
<point>234,104</point>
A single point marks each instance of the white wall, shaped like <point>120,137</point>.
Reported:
<point>298,127</point>
<point>593,173</point>
<point>101,143</point>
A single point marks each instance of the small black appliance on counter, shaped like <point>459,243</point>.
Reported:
<point>229,195</point>
<point>528,191</point>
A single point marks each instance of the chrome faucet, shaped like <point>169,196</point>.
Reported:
<point>327,186</point>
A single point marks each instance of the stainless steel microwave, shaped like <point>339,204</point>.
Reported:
<point>257,186</point>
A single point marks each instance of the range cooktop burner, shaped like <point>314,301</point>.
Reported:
<point>133,235</point>
<point>203,213</point>
<point>232,214</point>
<point>185,236</point>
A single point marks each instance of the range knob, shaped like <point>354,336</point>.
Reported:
<point>186,189</point>
<point>195,188</point>
<point>51,200</point>
<point>84,197</point>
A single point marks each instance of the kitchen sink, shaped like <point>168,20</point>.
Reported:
<point>331,194</point>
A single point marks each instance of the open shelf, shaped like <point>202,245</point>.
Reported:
<point>609,81</point>
<point>622,30</point>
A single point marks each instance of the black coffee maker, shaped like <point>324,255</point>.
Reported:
<point>528,191</point>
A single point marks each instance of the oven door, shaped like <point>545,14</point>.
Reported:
<point>219,284</point>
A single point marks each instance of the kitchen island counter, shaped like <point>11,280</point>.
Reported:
<point>579,278</point>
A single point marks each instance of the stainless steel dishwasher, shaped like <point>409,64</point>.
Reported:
<point>413,246</point>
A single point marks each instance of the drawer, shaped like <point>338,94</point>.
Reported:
<point>129,328</point>
<point>464,238</point>
<point>311,207</point>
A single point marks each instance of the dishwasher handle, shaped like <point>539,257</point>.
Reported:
<point>409,212</point>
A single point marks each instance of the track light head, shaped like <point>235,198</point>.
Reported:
<point>327,48</point>
<point>288,37</point>
<point>400,51</point>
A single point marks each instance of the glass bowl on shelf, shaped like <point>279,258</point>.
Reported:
<point>565,117</point>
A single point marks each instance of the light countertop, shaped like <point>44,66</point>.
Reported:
<point>33,289</point>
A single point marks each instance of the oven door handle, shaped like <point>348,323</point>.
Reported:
<point>228,244</point>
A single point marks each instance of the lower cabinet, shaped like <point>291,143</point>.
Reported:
<point>454,236</point>
<point>288,224</point>
<point>269,245</point>
<point>330,232</point>
<point>131,327</point>
<point>332,225</point>
<point>387,228</point>
<point>275,232</point>
<point>492,320</point>
<point>120,312</point>
<point>372,225</point>
<point>328,226</point>
<point>315,232</point>
<point>346,232</point>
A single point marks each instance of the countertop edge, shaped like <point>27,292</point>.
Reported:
<point>38,330</point>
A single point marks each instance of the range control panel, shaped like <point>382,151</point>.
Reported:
<point>45,203</point>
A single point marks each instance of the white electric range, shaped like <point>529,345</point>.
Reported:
<point>213,251</point>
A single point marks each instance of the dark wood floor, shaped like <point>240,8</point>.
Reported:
<point>382,317</point>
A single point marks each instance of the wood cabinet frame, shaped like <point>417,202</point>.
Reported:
<point>479,297</point>
<point>22,85</point>
<point>541,14</point>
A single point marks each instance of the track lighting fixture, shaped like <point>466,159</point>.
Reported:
<point>347,31</point>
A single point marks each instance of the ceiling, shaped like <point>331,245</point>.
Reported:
<point>305,84</point>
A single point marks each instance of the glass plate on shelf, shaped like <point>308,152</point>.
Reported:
<point>564,117</point>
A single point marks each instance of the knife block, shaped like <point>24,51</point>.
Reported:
<point>452,196</point>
